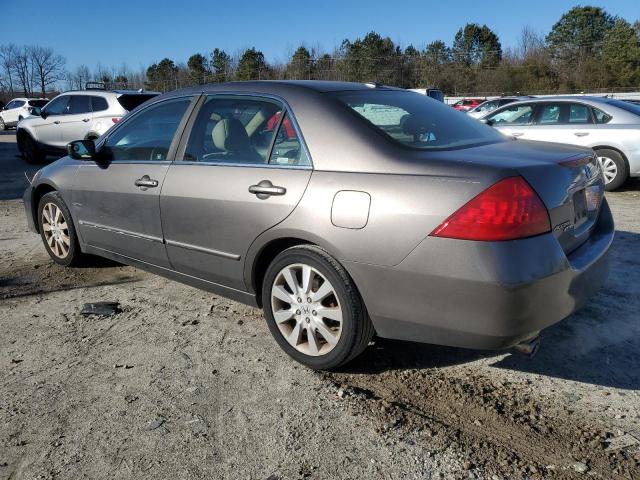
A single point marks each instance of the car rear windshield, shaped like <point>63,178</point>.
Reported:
<point>129,101</point>
<point>416,120</point>
<point>38,103</point>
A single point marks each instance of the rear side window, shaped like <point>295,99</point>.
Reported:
<point>416,120</point>
<point>18,103</point>
<point>131,101</point>
<point>600,116</point>
<point>234,130</point>
<point>549,114</point>
<point>99,104</point>
<point>579,113</point>
<point>79,104</point>
<point>513,115</point>
<point>287,148</point>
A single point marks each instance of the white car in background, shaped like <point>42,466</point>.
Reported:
<point>611,127</point>
<point>491,104</point>
<point>74,115</point>
<point>18,109</point>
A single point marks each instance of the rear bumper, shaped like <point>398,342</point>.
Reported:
<point>484,295</point>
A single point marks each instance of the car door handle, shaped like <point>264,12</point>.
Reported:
<point>86,119</point>
<point>146,182</point>
<point>57,122</point>
<point>517,134</point>
<point>581,134</point>
<point>265,189</point>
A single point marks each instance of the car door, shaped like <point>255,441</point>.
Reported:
<point>513,120</point>
<point>47,129</point>
<point>75,124</point>
<point>562,122</point>
<point>242,169</point>
<point>116,198</point>
<point>9,113</point>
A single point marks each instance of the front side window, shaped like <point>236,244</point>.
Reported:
<point>487,106</point>
<point>148,135</point>
<point>19,103</point>
<point>57,106</point>
<point>416,120</point>
<point>79,104</point>
<point>233,130</point>
<point>512,115</point>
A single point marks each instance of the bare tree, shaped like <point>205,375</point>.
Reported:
<point>23,69</point>
<point>7,60</point>
<point>47,66</point>
<point>531,43</point>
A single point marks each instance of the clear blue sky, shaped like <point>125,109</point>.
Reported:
<point>140,32</point>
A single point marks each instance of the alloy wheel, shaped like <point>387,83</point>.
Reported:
<point>56,230</point>
<point>306,309</point>
<point>609,169</point>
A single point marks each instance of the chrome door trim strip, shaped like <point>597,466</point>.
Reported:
<point>119,231</point>
<point>217,253</point>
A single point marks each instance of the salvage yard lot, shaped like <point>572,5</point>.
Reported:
<point>184,384</point>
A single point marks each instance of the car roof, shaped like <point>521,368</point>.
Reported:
<point>97,91</point>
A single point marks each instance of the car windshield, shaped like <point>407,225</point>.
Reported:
<point>416,120</point>
<point>628,106</point>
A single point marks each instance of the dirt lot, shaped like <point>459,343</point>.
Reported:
<point>184,384</point>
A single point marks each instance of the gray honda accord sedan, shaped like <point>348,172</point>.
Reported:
<point>343,210</point>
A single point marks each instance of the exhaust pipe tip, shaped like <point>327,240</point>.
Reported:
<point>529,347</point>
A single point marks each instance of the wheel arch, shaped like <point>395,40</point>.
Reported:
<point>615,149</point>
<point>38,192</point>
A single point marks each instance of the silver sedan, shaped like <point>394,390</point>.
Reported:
<point>611,127</point>
<point>343,210</point>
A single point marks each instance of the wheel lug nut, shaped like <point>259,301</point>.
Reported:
<point>309,299</point>
<point>313,313</point>
<point>297,312</point>
<point>307,320</point>
<point>299,300</point>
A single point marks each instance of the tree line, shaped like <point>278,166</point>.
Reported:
<point>586,49</point>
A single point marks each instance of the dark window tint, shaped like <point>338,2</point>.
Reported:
<point>38,103</point>
<point>99,104</point>
<point>415,120</point>
<point>148,135</point>
<point>288,149</point>
<point>600,116</point>
<point>512,115</point>
<point>57,106</point>
<point>550,114</point>
<point>579,113</point>
<point>19,103</point>
<point>10,105</point>
<point>234,130</point>
<point>131,101</point>
<point>79,104</point>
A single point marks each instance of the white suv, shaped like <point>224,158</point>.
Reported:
<point>76,115</point>
<point>18,109</point>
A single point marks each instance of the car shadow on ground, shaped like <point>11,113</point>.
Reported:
<point>599,344</point>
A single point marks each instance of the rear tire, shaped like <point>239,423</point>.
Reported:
<point>321,321</point>
<point>613,167</point>
<point>58,232</point>
<point>30,150</point>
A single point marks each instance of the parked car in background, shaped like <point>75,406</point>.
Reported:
<point>342,210</point>
<point>18,109</point>
<point>434,93</point>
<point>74,115</point>
<point>467,104</point>
<point>490,105</point>
<point>611,127</point>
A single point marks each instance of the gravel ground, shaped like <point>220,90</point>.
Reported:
<point>184,384</point>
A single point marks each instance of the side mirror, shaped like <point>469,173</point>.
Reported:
<point>82,150</point>
<point>37,111</point>
<point>43,114</point>
<point>486,121</point>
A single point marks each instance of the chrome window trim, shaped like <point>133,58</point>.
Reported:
<point>119,231</point>
<point>246,165</point>
<point>210,251</point>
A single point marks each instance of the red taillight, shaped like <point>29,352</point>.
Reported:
<point>507,210</point>
<point>115,119</point>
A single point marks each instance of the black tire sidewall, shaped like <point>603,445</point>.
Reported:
<point>31,151</point>
<point>350,311</point>
<point>74,249</point>
<point>622,174</point>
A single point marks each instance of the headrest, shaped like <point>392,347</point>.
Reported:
<point>229,134</point>
<point>413,125</point>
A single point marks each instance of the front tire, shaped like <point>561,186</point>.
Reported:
<point>614,168</point>
<point>58,232</point>
<point>3,126</point>
<point>313,308</point>
<point>30,150</point>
